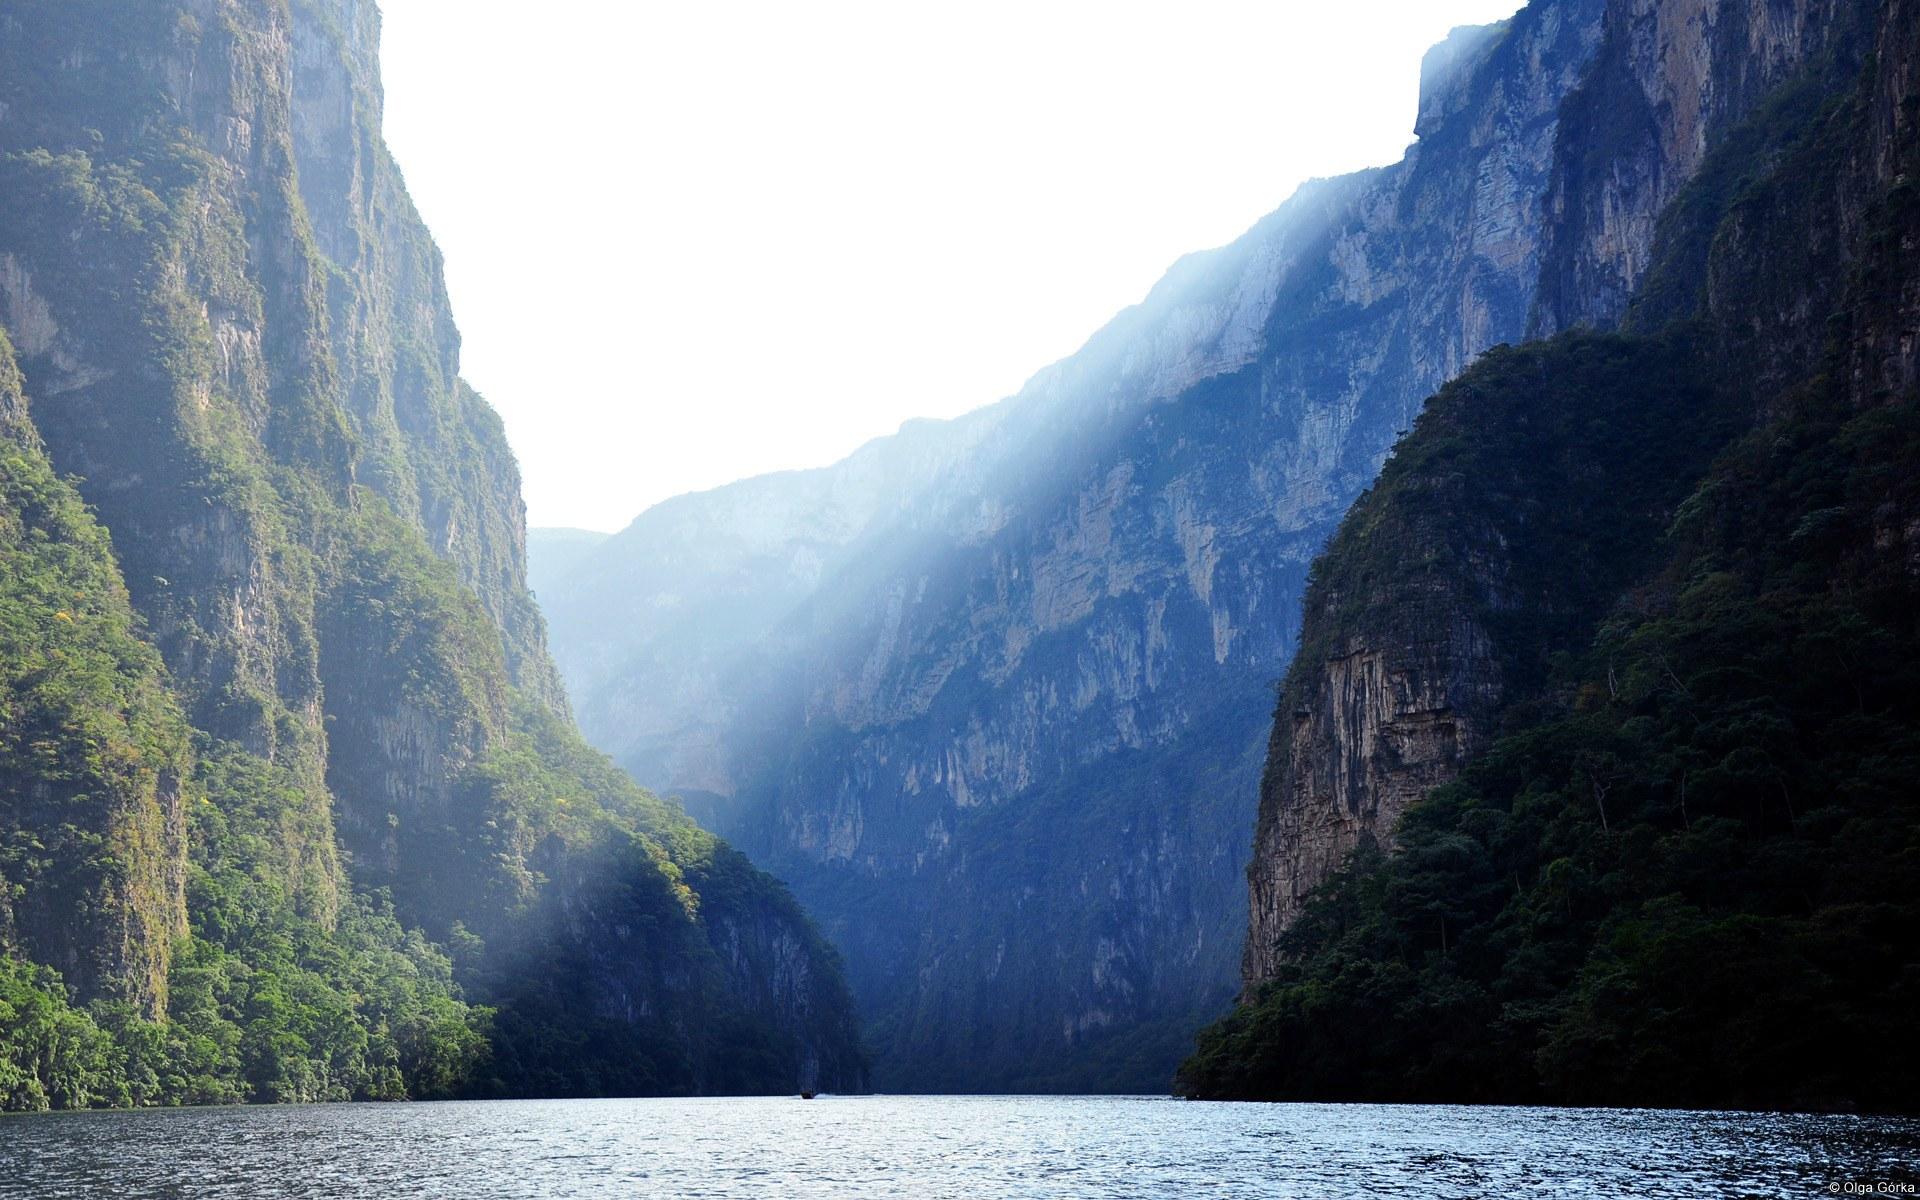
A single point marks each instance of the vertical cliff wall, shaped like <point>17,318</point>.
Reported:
<point>1644,572</point>
<point>1708,177</point>
<point>1449,586</point>
<point>93,749</point>
<point>234,337</point>
<point>1671,80</point>
<point>428,443</point>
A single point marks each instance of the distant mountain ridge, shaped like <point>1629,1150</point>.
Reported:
<point>551,553</point>
<point>991,694</point>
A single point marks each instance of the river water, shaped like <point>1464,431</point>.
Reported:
<point>934,1148</point>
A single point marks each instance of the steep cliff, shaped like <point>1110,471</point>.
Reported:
<point>234,340</point>
<point>93,749</point>
<point>1672,79</point>
<point>1679,823</point>
<point>428,443</point>
<point>1449,580</point>
<point>1412,675</point>
<point>989,693</point>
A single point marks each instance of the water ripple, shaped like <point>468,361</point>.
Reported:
<point>944,1148</point>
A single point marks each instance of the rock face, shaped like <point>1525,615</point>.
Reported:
<point>428,443</point>
<point>990,693</point>
<point>233,333</point>
<point>88,756</point>
<point>1405,678</point>
<point>1617,565</point>
<point>1672,78</point>
<point>1360,734</point>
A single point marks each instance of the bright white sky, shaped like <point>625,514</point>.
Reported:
<point>693,241</point>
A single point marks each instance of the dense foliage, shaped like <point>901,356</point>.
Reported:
<point>269,994</point>
<point>286,986</point>
<point>1692,882</point>
<point>93,749</point>
<point>1688,871</point>
<point>642,880</point>
<point>283,1011</point>
<point>262,1002</point>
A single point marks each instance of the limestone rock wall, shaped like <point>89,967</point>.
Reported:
<point>1673,76</point>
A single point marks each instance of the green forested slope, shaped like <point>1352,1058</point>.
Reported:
<point>286,787</point>
<point>1685,871</point>
<point>1686,876</point>
<point>94,755</point>
<point>207,983</point>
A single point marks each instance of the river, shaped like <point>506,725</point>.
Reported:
<point>934,1148</point>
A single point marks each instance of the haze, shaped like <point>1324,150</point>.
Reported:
<point>688,243</point>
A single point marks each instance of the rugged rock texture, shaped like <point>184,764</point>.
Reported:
<point>1648,571</point>
<point>1674,76</point>
<point>1448,587</point>
<point>159,362</point>
<point>233,334</point>
<point>93,749</point>
<point>1884,358</point>
<point>1654,200</point>
<point>1373,725</point>
<point>428,443</point>
<point>989,692</point>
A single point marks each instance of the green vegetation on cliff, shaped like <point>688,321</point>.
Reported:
<point>604,870</point>
<point>277,1009</point>
<point>93,749</point>
<point>285,774</point>
<point>1686,870</point>
<point>1688,876</point>
<point>104,793</point>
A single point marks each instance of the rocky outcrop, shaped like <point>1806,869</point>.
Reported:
<point>93,749</point>
<point>1599,554</point>
<point>167,348</point>
<point>1885,356</point>
<point>1360,735</point>
<point>989,693</point>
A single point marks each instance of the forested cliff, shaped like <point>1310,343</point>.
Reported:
<point>292,800</point>
<point>1593,779</point>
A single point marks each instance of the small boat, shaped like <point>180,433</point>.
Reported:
<point>806,1095</point>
